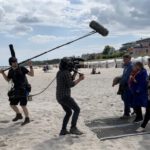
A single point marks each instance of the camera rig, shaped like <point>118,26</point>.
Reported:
<point>71,64</point>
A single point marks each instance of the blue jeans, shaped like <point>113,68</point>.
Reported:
<point>127,99</point>
<point>68,104</point>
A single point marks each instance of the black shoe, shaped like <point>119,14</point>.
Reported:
<point>133,113</point>
<point>136,120</point>
<point>27,120</point>
<point>64,132</point>
<point>18,116</point>
<point>76,131</point>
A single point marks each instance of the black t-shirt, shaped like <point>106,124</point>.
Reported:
<point>18,76</point>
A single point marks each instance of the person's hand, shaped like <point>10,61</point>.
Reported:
<point>113,84</point>
<point>116,81</point>
<point>29,63</point>
<point>1,71</point>
<point>81,76</point>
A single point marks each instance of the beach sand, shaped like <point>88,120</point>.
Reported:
<point>96,98</point>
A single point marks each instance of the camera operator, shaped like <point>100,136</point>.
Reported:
<point>20,90</point>
<point>65,81</point>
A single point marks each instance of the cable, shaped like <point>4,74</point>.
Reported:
<point>32,95</point>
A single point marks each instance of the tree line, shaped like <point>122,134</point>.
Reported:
<point>108,52</point>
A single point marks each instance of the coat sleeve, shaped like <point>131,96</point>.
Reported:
<point>125,76</point>
<point>68,79</point>
<point>142,82</point>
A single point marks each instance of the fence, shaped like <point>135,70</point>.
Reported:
<point>114,63</point>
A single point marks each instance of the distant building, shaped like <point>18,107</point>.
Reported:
<point>137,48</point>
<point>126,46</point>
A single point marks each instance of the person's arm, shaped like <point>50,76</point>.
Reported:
<point>68,79</point>
<point>125,76</point>
<point>116,81</point>
<point>74,76</point>
<point>81,77</point>
<point>4,75</point>
<point>31,71</point>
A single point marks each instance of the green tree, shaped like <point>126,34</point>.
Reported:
<point>108,50</point>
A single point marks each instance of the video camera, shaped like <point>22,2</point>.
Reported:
<point>70,63</point>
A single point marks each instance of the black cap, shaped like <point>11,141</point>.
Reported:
<point>11,60</point>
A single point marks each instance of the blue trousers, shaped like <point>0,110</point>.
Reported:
<point>127,99</point>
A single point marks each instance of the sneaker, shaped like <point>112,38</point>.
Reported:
<point>27,120</point>
<point>140,129</point>
<point>76,131</point>
<point>133,113</point>
<point>64,132</point>
<point>18,116</point>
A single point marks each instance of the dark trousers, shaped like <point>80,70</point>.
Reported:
<point>138,111</point>
<point>68,104</point>
<point>126,108</point>
<point>126,97</point>
<point>147,116</point>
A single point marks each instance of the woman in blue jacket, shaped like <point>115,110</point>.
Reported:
<point>138,83</point>
<point>147,114</point>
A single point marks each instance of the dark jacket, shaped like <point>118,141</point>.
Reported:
<point>149,87</point>
<point>64,84</point>
<point>123,87</point>
<point>126,74</point>
<point>139,89</point>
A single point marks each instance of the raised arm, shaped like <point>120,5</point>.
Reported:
<point>31,71</point>
<point>69,80</point>
<point>4,75</point>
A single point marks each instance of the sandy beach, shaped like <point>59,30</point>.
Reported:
<point>96,98</point>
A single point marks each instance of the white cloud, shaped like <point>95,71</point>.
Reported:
<point>21,29</point>
<point>42,39</point>
<point>5,54</point>
<point>2,13</point>
<point>119,16</point>
<point>28,19</point>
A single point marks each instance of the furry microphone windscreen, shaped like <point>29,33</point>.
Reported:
<point>12,50</point>
<point>98,28</point>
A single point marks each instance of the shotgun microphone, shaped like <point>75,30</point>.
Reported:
<point>93,24</point>
<point>12,50</point>
<point>98,28</point>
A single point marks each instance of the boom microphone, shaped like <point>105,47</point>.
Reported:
<point>12,50</point>
<point>98,28</point>
<point>93,24</point>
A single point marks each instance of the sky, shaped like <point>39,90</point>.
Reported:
<point>35,26</point>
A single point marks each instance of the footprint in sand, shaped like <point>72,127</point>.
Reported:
<point>4,121</point>
<point>2,144</point>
